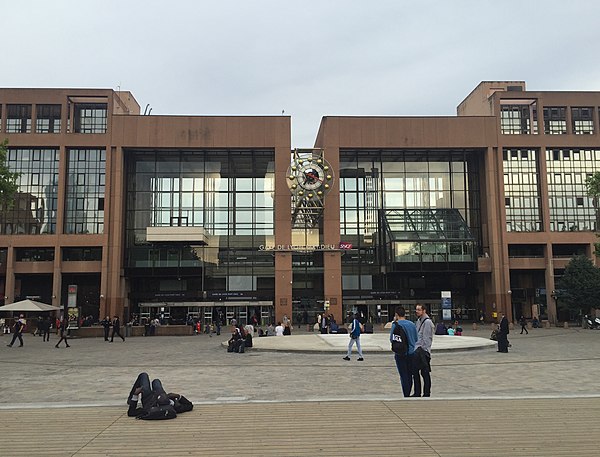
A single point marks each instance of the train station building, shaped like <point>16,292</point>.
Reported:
<point>119,212</point>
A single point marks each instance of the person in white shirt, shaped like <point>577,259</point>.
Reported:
<point>279,329</point>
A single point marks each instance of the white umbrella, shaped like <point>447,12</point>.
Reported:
<point>29,305</point>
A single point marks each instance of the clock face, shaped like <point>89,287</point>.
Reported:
<point>310,176</point>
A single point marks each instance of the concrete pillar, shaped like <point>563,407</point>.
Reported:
<point>9,286</point>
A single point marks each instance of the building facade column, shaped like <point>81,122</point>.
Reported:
<point>282,235</point>
<point>9,285</point>
<point>332,260</point>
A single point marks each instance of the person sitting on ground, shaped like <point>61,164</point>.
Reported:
<point>333,326</point>
<point>440,329</point>
<point>279,329</point>
<point>156,403</point>
<point>270,330</point>
<point>236,341</point>
<point>535,323</point>
<point>457,329</point>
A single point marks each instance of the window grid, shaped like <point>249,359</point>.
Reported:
<point>48,119</point>
<point>35,204</point>
<point>85,191</point>
<point>18,119</point>
<point>571,209</point>
<point>229,193</point>
<point>521,190</point>
<point>515,119</point>
<point>90,118</point>
<point>396,180</point>
<point>555,120</point>
<point>583,120</point>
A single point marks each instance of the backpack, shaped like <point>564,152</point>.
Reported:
<point>399,340</point>
<point>182,404</point>
<point>355,329</point>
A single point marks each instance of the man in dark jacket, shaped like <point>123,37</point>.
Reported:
<point>18,328</point>
<point>156,403</point>
<point>106,324</point>
<point>503,334</point>
<point>116,325</point>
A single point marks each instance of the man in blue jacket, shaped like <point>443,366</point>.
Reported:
<point>404,361</point>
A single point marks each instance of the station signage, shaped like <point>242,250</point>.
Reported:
<point>307,247</point>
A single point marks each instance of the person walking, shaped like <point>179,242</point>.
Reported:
<point>422,356</point>
<point>18,327</point>
<point>64,324</point>
<point>523,323</point>
<point>503,334</point>
<point>46,329</point>
<point>116,325</point>
<point>106,324</point>
<point>403,337</point>
<point>355,331</point>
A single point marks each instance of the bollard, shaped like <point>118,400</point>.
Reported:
<point>474,326</point>
<point>529,325</point>
<point>546,324</point>
<point>565,324</point>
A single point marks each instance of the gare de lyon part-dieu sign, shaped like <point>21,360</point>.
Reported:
<point>310,247</point>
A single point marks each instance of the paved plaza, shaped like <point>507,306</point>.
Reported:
<point>547,362</point>
<point>541,388</point>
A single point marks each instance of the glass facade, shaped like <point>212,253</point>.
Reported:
<point>85,191</point>
<point>571,209</point>
<point>47,119</point>
<point>90,117</point>
<point>35,204</point>
<point>228,193</point>
<point>521,190</point>
<point>384,191</point>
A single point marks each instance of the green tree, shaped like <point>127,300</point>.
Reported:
<point>579,288</point>
<point>8,179</point>
<point>593,189</point>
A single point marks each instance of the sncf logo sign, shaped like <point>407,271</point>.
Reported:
<point>345,245</point>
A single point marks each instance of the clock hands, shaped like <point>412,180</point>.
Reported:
<point>313,176</point>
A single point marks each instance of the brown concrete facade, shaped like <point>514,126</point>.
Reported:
<point>477,127</point>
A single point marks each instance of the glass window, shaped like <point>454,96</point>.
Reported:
<point>85,191</point>
<point>570,207</point>
<point>583,120</point>
<point>18,119</point>
<point>555,120</point>
<point>521,190</point>
<point>90,117</point>
<point>34,208</point>
<point>47,119</point>
<point>515,119</point>
<point>82,254</point>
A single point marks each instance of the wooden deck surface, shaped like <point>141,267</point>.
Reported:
<point>479,428</point>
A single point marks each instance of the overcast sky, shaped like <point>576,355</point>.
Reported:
<point>309,58</point>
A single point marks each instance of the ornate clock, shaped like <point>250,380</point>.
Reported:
<point>310,178</point>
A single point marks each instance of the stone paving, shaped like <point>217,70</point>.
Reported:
<point>547,362</point>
